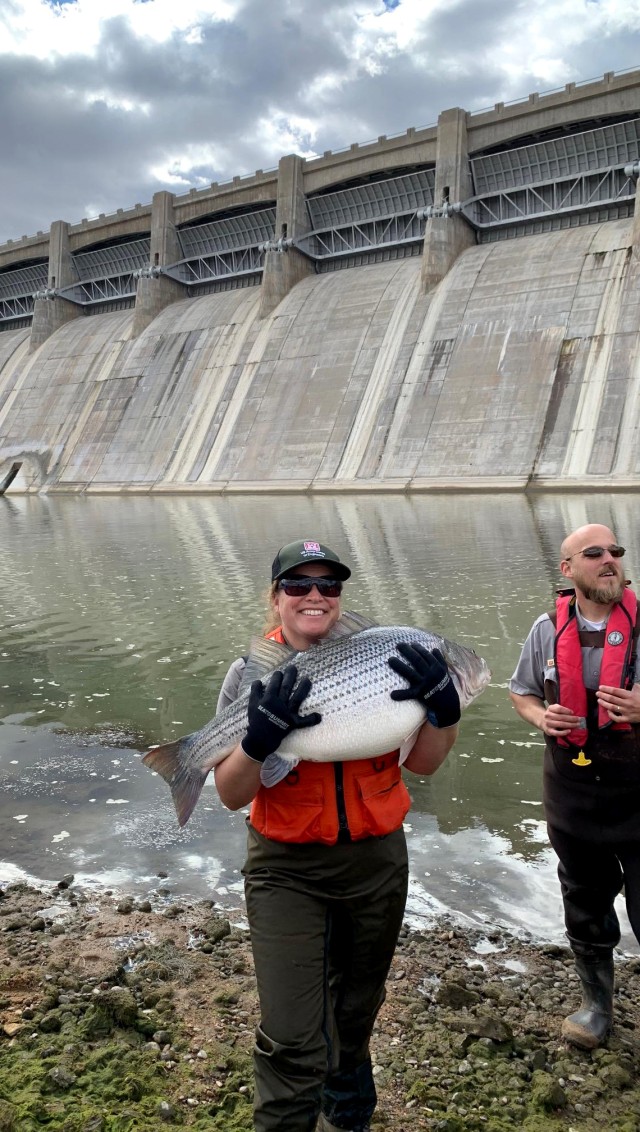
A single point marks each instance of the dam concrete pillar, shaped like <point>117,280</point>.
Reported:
<point>156,291</point>
<point>282,270</point>
<point>446,237</point>
<point>52,312</point>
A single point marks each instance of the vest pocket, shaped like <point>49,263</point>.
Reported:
<point>294,815</point>
<point>385,799</point>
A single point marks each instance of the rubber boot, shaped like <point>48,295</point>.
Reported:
<point>324,1125</point>
<point>589,1026</point>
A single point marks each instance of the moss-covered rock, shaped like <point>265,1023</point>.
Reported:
<point>546,1092</point>
<point>216,928</point>
<point>97,1023</point>
<point>454,994</point>
<point>8,1117</point>
<point>120,1004</point>
<point>51,1022</point>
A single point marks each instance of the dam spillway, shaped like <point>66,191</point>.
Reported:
<point>451,308</point>
<point>521,368</point>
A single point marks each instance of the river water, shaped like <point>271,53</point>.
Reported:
<point>119,617</point>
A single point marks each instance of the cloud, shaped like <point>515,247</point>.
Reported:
<point>104,102</point>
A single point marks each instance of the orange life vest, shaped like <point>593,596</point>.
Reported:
<point>328,802</point>
<point>616,656</point>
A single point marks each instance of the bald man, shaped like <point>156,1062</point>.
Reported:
<point>576,682</point>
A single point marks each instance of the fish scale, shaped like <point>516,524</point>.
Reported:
<point>351,682</point>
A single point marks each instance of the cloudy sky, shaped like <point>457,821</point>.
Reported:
<point>103,102</point>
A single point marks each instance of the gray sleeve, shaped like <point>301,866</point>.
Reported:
<point>536,660</point>
<point>274,768</point>
<point>231,684</point>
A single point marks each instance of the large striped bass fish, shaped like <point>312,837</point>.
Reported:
<point>351,683</point>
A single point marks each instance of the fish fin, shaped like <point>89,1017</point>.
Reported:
<point>264,656</point>
<point>186,783</point>
<point>275,768</point>
<point>454,654</point>
<point>349,623</point>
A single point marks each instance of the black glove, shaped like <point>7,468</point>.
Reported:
<point>274,712</point>
<point>429,681</point>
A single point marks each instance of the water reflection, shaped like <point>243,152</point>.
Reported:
<point>120,616</point>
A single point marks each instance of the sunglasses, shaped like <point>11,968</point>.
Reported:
<point>598,552</point>
<point>301,586</point>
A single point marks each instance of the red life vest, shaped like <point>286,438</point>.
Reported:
<point>311,803</point>
<point>618,647</point>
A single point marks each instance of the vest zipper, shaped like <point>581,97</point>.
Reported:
<point>344,833</point>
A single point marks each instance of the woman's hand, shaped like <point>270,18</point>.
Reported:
<point>429,682</point>
<point>274,712</point>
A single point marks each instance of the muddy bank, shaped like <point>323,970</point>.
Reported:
<point>119,1016</point>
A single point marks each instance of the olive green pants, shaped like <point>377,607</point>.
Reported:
<point>324,924</point>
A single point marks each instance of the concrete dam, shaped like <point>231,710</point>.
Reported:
<point>462,353</point>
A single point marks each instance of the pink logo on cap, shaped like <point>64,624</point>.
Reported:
<point>312,548</point>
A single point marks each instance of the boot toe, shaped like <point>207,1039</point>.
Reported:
<point>587,1032</point>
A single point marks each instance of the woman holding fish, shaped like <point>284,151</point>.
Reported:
<point>326,871</point>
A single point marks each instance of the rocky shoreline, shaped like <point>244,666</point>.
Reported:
<point>119,1015</point>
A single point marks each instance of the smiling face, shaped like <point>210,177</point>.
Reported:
<point>599,580</point>
<point>307,619</point>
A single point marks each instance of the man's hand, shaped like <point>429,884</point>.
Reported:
<point>553,719</point>
<point>622,704</point>
<point>274,712</point>
<point>559,721</point>
<point>429,682</point>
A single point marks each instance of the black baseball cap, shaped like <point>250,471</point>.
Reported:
<point>307,550</point>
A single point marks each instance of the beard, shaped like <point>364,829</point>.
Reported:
<point>606,593</point>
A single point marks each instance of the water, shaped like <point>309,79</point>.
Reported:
<point>120,616</point>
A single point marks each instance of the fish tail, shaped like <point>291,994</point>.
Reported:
<point>186,783</point>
